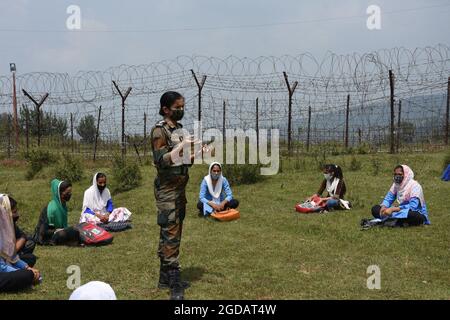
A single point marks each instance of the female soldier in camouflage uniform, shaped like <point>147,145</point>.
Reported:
<point>169,187</point>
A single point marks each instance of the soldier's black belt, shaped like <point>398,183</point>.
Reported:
<point>174,171</point>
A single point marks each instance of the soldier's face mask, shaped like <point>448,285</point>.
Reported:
<point>177,114</point>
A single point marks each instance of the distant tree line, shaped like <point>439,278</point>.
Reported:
<point>50,125</point>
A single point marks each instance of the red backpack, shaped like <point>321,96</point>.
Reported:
<point>315,205</point>
<point>92,235</point>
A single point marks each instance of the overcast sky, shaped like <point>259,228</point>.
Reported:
<point>33,34</point>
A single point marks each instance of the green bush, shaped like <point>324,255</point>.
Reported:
<point>242,173</point>
<point>69,168</point>
<point>376,165</point>
<point>363,148</point>
<point>355,164</point>
<point>350,150</point>
<point>126,175</point>
<point>37,160</point>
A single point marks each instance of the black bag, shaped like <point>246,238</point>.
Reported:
<point>371,223</point>
<point>29,246</point>
<point>115,226</point>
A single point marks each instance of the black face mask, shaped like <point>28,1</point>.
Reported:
<point>398,179</point>
<point>67,197</point>
<point>177,114</point>
<point>101,188</point>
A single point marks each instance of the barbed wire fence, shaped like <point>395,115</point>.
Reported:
<point>389,100</point>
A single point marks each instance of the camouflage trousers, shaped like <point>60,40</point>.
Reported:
<point>171,204</point>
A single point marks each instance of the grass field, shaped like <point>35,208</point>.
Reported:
<point>271,252</point>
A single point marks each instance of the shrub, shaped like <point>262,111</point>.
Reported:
<point>363,148</point>
<point>242,173</point>
<point>355,165</point>
<point>37,160</point>
<point>69,168</point>
<point>350,150</point>
<point>376,165</point>
<point>126,175</point>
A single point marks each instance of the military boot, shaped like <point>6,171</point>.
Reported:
<point>164,279</point>
<point>176,285</point>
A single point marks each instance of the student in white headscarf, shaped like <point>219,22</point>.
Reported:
<point>98,206</point>
<point>94,290</point>
<point>215,192</point>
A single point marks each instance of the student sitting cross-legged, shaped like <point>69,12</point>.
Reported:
<point>411,209</point>
<point>52,227</point>
<point>215,192</point>
<point>15,274</point>
<point>98,207</point>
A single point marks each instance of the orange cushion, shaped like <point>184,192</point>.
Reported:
<point>226,215</point>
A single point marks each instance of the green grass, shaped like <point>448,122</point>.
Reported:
<point>272,252</point>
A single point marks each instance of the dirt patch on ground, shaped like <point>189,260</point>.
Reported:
<point>12,163</point>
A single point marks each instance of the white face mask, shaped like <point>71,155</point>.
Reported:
<point>327,176</point>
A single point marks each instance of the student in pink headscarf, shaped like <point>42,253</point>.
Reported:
<point>411,209</point>
<point>15,274</point>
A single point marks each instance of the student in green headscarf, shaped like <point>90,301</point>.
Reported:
<point>52,227</point>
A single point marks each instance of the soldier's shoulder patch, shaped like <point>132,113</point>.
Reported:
<point>157,132</point>
<point>160,123</point>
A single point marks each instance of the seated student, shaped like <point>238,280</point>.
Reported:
<point>334,184</point>
<point>17,280</point>
<point>215,192</point>
<point>52,226</point>
<point>24,244</point>
<point>412,210</point>
<point>15,274</point>
<point>98,206</point>
<point>94,290</point>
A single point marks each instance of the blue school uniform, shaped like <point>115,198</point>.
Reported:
<point>205,196</point>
